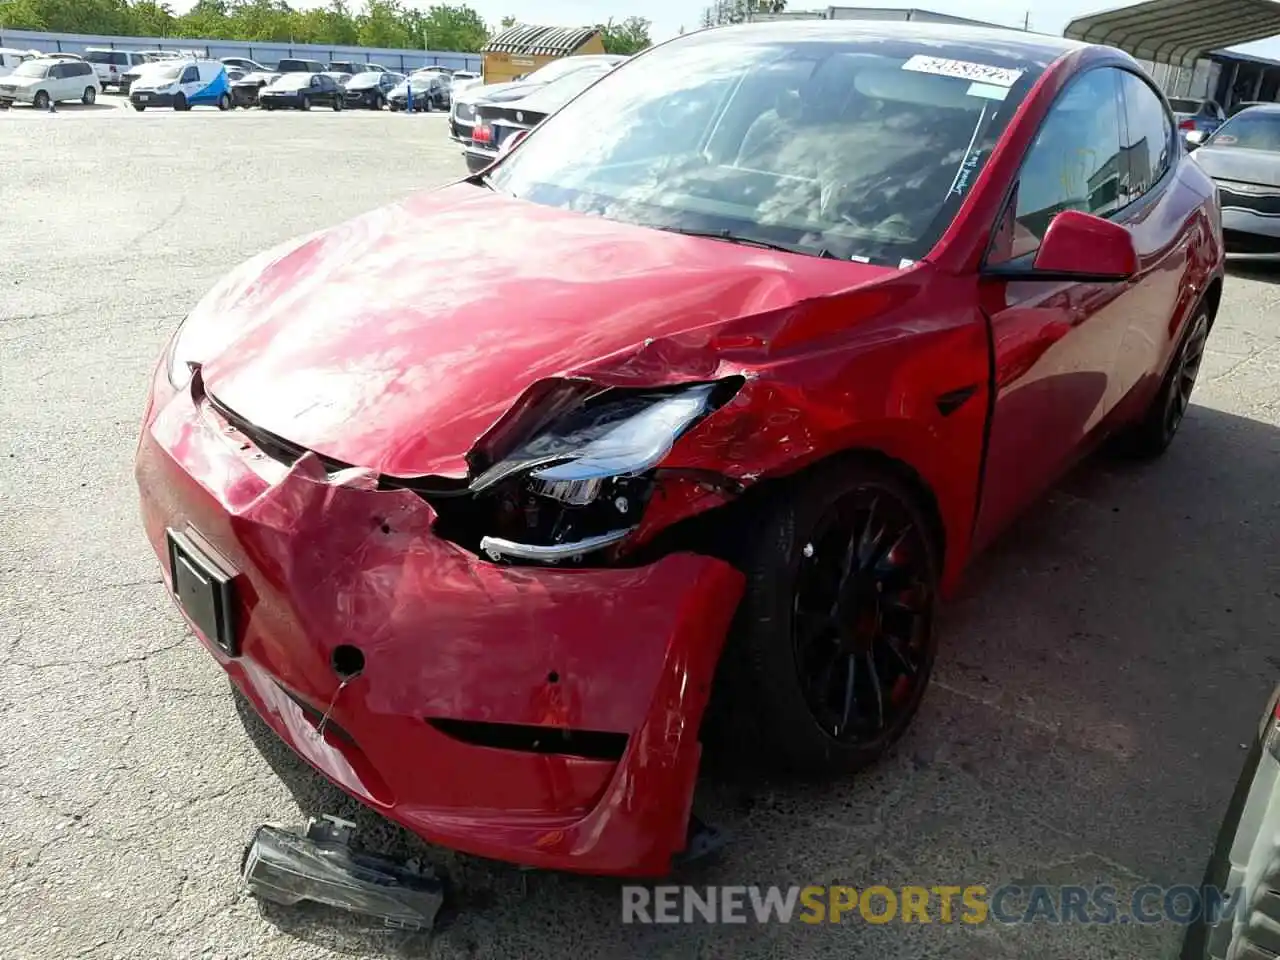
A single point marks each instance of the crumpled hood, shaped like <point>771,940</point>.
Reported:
<point>396,340</point>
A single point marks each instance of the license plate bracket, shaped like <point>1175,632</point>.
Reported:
<point>204,586</point>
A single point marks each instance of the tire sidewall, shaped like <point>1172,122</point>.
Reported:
<point>89,97</point>
<point>41,100</point>
<point>1174,376</point>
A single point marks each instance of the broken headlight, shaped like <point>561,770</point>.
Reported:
<point>580,483</point>
<point>175,362</point>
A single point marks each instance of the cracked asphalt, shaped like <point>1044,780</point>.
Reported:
<point>1096,685</point>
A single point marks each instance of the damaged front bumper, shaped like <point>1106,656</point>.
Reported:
<point>545,717</point>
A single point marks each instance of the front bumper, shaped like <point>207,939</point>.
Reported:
<point>457,651</point>
<point>149,99</point>
<point>1250,235</point>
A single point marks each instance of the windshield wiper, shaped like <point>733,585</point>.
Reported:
<point>728,236</point>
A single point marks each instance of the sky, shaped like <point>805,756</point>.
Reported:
<point>668,16</point>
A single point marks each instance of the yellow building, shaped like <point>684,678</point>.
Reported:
<point>523,48</point>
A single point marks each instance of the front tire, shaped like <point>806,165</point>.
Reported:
<point>180,103</point>
<point>41,100</point>
<point>833,643</point>
<point>338,104</point>
<point>305,104</point>
<point>1153,435</point>
<point>89,97</point>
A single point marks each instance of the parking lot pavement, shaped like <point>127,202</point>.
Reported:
<point>1096,685</point>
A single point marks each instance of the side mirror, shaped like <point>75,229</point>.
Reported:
<point>1082,245</point>
<point>1194,138</point>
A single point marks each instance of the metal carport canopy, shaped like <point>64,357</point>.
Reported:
<point>1179,31</point>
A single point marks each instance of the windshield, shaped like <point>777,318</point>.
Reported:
<point>105,56</point>
<point>30,68</point>
<point>1180,105</point>
<point>856,148</point>
<point>293,66</point>
<point>292,81</point>
<point>556,95</point>
<point>1253,130</point>
<point>165,71</point>
<point>362,80</point>
<point>425,81</point>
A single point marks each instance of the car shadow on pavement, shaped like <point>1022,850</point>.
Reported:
<point>1097,677</point>
<point>97,107</point>
<point>1260,270</point>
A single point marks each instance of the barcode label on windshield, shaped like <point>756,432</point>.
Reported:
<point>963,70</point>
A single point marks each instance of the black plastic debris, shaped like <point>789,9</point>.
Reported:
<point>703,841</point>
<point>286,867</point>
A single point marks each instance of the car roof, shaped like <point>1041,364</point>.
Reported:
<point>1039,46</point>
<point>1261,106</point>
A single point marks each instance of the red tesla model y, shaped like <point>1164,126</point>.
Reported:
<point>713,386</point>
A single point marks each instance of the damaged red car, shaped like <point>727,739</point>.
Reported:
<point>713,386</point>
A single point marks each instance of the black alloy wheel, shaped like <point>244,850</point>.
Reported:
<point>1186,371</point>
<point>1152,436</point>
<point>862,605</point>
<point>833,644</point>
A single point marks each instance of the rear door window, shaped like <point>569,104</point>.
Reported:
<point>1148,146</point>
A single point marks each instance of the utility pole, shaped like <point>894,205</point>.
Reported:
<point>1026,22</point>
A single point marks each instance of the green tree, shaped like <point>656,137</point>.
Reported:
<point>381,23</point>
<point>508,22</point>
<point>628,37</point>
<point>739,11</point>
<point>448,27</point>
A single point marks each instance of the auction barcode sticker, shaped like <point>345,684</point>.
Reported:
<point>963,70</point>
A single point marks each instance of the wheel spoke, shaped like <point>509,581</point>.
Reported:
<point>911,599</point>
<point>885,562</point>
<point>902,658</point>
<point>872,536</point>
<point>852,548</point>
<point>875,685</point>
<point>850,676</point>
